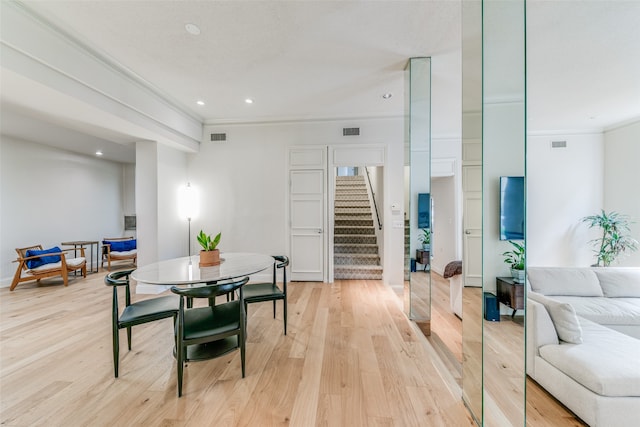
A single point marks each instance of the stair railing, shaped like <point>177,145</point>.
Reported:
<point>373,196</point>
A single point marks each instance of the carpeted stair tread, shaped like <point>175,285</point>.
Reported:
<point>356,253</point>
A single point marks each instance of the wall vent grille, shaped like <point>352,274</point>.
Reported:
<point>350,131</point>
<point>558,144</point>
<point>218,137</point>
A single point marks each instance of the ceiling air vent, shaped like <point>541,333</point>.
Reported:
<point>218,137</point>
<point>558,144</point>
<point>350,131</point>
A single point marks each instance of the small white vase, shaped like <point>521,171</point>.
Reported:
<point>518,275</point>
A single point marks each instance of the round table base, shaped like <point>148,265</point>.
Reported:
<point>210,350</point>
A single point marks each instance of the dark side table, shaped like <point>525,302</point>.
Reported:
<point>77,244</point>
<point>510,293</point>
<point>422,257</point>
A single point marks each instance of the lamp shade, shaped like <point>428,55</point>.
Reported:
<point>188,202</point>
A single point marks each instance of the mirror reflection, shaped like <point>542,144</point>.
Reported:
<point>471,279</point>
<point>418,200</point>
<point>582,151</point>
<point>503,180</point>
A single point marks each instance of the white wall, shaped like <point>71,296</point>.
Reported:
<point>563,186</point>
<point>622,178</point>
<point>161,171</point>
<point>173,235</point>
<point>503,156</point>
<point>49,196</point>
<point>246,181</point>
<point>129,189</point>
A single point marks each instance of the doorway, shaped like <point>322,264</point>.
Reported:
<point>356,225</point>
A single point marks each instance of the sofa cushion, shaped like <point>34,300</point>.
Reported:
<point>619,282</point>
<point>605,311</point>
<point>563,317</point>
<point>37,262</point>
<point>605,363</point>
<point>121,245</point>
<point>564,281</point>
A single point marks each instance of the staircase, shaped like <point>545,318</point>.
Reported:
<point>355,244</point>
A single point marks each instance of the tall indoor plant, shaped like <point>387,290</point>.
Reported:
<point>616,236</point>
<point>209,255</point>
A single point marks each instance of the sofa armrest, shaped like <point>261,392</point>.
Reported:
<point>540,331</point>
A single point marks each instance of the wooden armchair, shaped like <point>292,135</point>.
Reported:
<point>52,262</point>
<point>118,249</point>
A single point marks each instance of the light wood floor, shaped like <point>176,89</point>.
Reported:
<point>351,358</point>
<point>503,364</point>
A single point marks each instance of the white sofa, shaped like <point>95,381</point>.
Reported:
<point>583,340</point>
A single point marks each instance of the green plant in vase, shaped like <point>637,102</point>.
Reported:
<point>425,238</point>
<point>209,255</point>
<point>515,258</point>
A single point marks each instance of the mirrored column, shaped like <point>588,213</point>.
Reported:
<point>503,178</point>
<point>418,203</point>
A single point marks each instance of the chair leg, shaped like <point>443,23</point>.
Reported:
<point>274,309</point>
<point>241,338</point>
<point>180,351</point>
<point>284,310</point>
<point>129,337</point>
<point>116,350</point>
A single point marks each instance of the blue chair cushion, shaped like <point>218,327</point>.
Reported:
<point>37,262</point>
<point>121,245</point>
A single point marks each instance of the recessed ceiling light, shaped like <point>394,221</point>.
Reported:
<point>249,101</point>
<point>192,29</point>
<point>387,95</point>
<point>99,153</point>
<point>200,102</point>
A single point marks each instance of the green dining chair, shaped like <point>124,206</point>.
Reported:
<point>143,311</point>
<point>261,292</point>
<point>200,325</point>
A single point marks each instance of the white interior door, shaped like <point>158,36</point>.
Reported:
<point>472,224</point>
<point>307,215</point>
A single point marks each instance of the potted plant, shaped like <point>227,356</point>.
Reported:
<point>209,255</point>
<point>516,260</point>
<point>425,238</point>
<point>615,238</point>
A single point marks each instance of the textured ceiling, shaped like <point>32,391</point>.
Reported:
<point>335,59</point>
<point>297,60</point>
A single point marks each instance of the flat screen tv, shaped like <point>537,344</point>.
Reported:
<point>512,208</point>
<point>424,203</point>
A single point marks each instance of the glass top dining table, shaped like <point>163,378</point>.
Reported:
<point>186,270</point>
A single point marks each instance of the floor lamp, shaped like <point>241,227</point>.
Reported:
<point>189,207</point>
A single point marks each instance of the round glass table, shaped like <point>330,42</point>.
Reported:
<point>186,271</point>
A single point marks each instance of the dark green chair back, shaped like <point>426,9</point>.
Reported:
<point>143,311</point>
<point>214,322</point>
<point>261,292</point>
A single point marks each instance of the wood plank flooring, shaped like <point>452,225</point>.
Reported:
<point>351,358</point>
<point>504,361</point>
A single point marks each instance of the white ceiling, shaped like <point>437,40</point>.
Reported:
<point>335,59</point>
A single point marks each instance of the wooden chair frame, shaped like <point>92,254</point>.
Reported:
<point>62,270</point>
<point>109,256</point>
